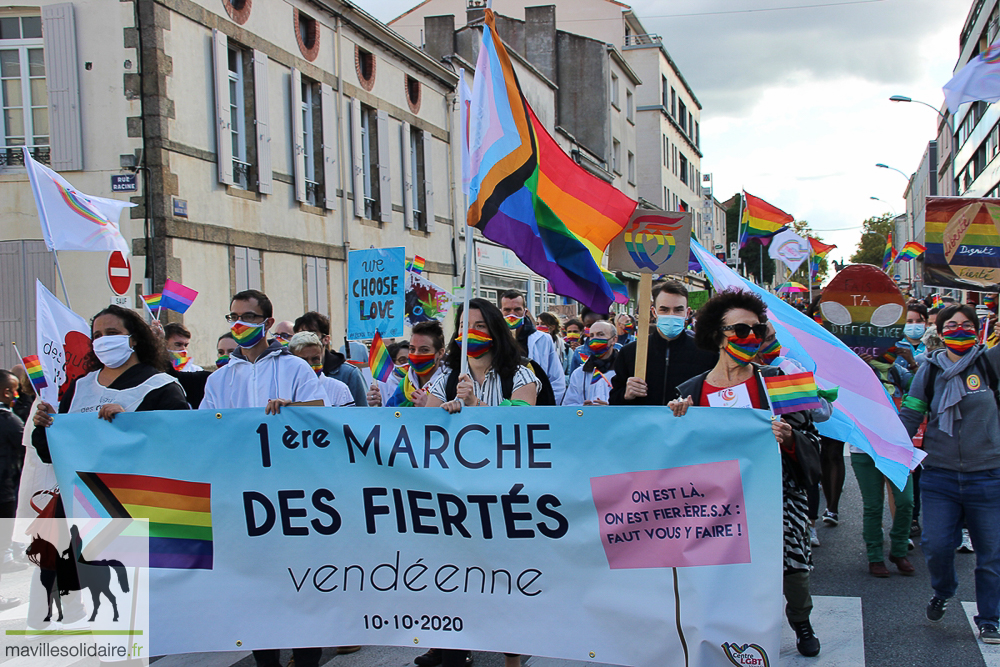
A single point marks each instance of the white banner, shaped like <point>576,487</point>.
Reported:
<point>63,340</point>
<point>790,248</point>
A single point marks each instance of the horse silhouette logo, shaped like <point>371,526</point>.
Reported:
<point>69,571</point>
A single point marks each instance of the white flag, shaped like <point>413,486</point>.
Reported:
<point>790,248</point>
<point>63,341</point>
<point>70,219</point>
<point>978,80</point>
<point>465,99</point>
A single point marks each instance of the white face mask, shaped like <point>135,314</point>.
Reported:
<point>112,351</point>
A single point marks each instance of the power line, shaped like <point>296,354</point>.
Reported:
<point>763,9</point>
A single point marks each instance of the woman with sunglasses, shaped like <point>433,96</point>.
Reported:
<point>734,323</point>
<point>957,390</point>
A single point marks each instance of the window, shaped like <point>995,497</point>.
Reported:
<point>684,170</point>
<point>665,94</point>
<point>246,269</point>
<point>370,154</point>
<point>417,170</point>
<point>369,161</point>
<point>24,120</point>
<point>684,118</point>
<point>631,168</point>
<point>690,125</point>
<point>629,106</point>
<point>307,35</point>
<point>314,126</point>
<point>616,156</point>
<point>317,286</point>
<point>242,124</point>
<point>614,91</point>
<point>312,139</point>
<point>673,103</point>
<point>364,64</point>
<point>992,141</point>
<point>666,148</point>
<point>412,94</point>
<point>666,199</point>
<point>238,10</point>
<point>697,134</point>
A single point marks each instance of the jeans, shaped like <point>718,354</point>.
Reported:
<point>950,498</point>
<point>304,657</point>
<point>872,485</point>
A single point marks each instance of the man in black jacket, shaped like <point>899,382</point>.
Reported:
<point>11,458</point>
<point>673,356</point>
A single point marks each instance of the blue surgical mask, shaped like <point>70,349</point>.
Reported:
<point>670,326</point>
<point>914,330</point>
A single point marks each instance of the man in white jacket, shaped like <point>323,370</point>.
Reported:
<point>258,374</point>
<point>534,344</point>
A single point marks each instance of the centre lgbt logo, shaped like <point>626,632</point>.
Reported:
<point>179,514</point>
<point>644,230</point>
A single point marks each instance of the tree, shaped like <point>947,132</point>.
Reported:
<point>871,246</point>
<point>802,275</point>
<point>750,255</point>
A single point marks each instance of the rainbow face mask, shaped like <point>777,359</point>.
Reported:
<point>743,350</point>
<point>317,369</point>
<point>599,346</point>
<point>179,359</point>
<point>514,322</point>
<point>959,341</point>
<point>480,343</point>
<point>222,360</point>
<point>572,337</point>
<point>422,364</point>
<point>771,352</point>
<point>247,335</point>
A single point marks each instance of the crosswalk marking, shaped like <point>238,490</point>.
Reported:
<point>839,625</point>
<point>991,652</point>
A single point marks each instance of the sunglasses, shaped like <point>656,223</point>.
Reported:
<point>743,330</point>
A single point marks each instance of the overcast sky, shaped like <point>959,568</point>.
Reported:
<point>795,95</point>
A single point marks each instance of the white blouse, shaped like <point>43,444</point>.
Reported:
<point>490,392</point>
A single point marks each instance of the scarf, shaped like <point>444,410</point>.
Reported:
<point>954,385</point>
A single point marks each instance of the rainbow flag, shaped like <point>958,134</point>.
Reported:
<point>937,301</point>
<point>618,287</point>
<point>179,514</point>
<point>378,359</point>
<point>760,219</point>
<point>528,195</point>
<point>819,248</point>
<point>33,367</point>
<point>911,250</point>
<point>597,376</point>
<point>792,393</point>
<point>153,300</point>
<point>890,254</point>
<point>176,297</point>
<point>416,264</point>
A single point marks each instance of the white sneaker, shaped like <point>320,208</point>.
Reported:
<point>813,537</point>
<point>966,546</point>
<point>80,625</point>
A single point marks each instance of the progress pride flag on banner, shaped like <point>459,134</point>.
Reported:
<point>678,517</point>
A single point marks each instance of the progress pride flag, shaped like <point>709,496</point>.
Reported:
<point>678,517</point>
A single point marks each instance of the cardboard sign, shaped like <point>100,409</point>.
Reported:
<point>375,292</point>
<point>863,308</point>
<point>963,243</point>
<point>425,301</point>
<point>652,242</point>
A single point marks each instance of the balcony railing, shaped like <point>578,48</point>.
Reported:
<point>643,40</point>
<point>13,156</point>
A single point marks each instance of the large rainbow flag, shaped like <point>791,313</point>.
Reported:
<point>890,254</point>
<point>179,514</point>
<point>528,195</point>
<point>760,220</point>
<point>911,250</point>
<point>819,251</point>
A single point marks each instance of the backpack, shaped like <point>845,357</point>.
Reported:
<point>987,368</point>
<point>546,396</point>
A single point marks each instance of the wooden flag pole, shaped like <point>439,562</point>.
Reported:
<point>642,341</point>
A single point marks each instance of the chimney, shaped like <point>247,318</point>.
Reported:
<point>540,39</point>
<point>439,36</point>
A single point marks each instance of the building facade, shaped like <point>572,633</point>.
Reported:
<point>270,139</point>
<point>923,183</point>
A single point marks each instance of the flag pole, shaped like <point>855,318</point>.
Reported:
<point>469,242</point>
<point>55,255</point>
<point>739,233</point>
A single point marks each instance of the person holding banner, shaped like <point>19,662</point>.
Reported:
<point>259,374</point>
<point>590,384</point>
<point>426,353</point>
<point>307,346</point>
<point>334,363</point>
<point>497,372</point>
<point>734,323</point>
<point>957,390</point>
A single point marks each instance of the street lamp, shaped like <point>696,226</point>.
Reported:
<point>887,204</point>
<point>901,172</point>
<point>951,131</point>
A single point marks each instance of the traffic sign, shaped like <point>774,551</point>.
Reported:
<point>119,273</point>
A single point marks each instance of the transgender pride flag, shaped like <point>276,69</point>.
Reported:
<point>864,415</point>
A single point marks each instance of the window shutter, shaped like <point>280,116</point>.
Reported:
<point>265,182</point>
<point>311,283</point>
<point>428,180</point>
<point>322,290</point>
<point>407,175</point>
<point>298,150</point>
<point>223,138</point>
<point>253,268</point>
<point>330,176</point>
<point>358,157</point>
<point>240,269</point>
<point>384,193</point>
<point>62,78</point>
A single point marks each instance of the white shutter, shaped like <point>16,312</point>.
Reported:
<point>223,129</point>
<point>311,283</point>
<point>428,183</point>
<point>322,289</point>
<point>384,194</point>
<point>327,100</point>
<point>240,268</point>
<point>263,121</point>
<point>407,176</point>
<point>358,157</point>
<point>253,268</point>
<point>62,78</point>
<point>298,150</point>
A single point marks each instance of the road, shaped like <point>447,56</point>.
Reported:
<point>860,620</point>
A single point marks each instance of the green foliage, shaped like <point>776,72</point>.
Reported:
<point>871,247</point>
<point>750,255</point>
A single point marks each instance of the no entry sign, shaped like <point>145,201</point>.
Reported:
<point>119,273</point>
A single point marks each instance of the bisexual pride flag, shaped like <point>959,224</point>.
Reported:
<point>176,297</point>
<point>179,514</point>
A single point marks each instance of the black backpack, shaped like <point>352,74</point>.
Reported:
<point>546,396</point>
<point>982,363</point>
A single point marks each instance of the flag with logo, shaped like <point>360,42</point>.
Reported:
<point>63,344</point>
<point>978,80</point>
<point>70,219</point>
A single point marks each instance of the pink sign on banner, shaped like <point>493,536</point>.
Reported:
<point>678,517</point>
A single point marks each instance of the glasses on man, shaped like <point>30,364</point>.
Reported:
<point>281,335</point>
<point>249,318</point>
<point>743,330</point>
<point>951,327</point>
